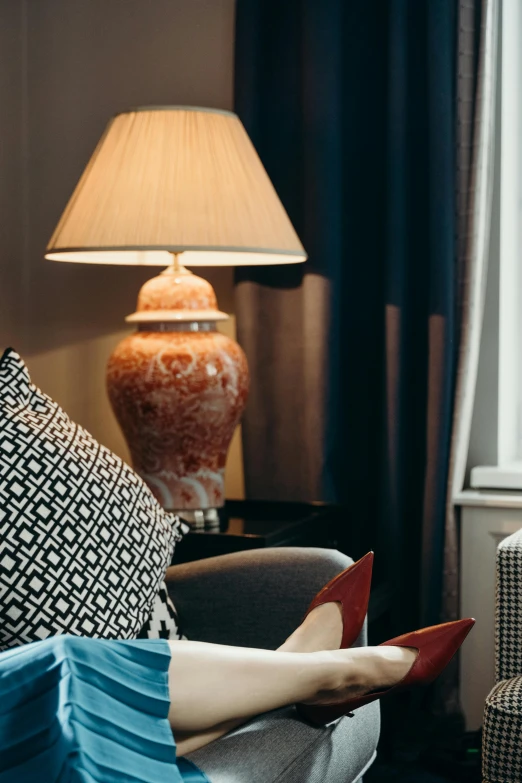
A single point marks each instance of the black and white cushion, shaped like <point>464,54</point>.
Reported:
<point>164,621</point>
<point>84,545</point>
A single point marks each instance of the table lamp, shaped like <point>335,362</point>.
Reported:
<point>177,186</point>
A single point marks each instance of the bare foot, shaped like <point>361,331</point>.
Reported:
<point>322,629</point>
<point>362,670</point>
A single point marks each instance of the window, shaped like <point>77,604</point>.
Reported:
<point>508,472</point>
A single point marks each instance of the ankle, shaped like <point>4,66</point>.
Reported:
<point>300,641</point>
<point>341,669</point>
<point>322,674</point>
<point>292,644</point>
<point>320,630</point>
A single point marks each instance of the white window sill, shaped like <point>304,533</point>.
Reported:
<point>497,477</point>
<point>488,499</point>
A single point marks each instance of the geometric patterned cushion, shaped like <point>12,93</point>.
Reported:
<point>502,733</point>
<point>508,631</point>
<point>84,546</point>
<point>163,622</point>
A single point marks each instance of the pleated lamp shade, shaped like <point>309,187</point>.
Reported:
<point>175,179</point>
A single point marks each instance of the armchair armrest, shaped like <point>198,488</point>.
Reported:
<point>254,598</point>
<point>508,625</point>
<point>502,733</point>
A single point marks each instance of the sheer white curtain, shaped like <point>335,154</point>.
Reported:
<point>476,91</point>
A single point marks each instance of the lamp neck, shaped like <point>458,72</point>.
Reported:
<point>176,268</point>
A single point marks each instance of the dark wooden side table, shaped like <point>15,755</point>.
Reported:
<point>253,524</point>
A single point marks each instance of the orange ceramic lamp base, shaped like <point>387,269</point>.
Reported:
<point>178,388</point>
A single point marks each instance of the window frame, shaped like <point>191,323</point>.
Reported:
<point>510,296</point>
<point>507,473</point>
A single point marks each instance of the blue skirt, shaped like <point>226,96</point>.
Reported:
<point>76,710</point>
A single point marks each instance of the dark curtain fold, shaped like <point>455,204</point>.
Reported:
<point>352,108</point>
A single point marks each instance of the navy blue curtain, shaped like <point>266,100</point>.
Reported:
<point>351,106</point>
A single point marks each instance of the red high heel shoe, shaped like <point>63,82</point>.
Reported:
<point>350,588</point>
<point>435,647</point>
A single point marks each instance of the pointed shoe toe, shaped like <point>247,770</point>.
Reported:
<point>351,589</point>
<point>435,647</point>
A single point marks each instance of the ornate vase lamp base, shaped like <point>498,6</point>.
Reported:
<point>201,519</point>
<point>178,388</point>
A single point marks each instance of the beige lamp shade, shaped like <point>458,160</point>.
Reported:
<point>175,179</point>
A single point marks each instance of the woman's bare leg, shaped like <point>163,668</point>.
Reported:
<point>213,688</point>
<point>211,684</point>
<point>189,741</point>
<point>321,630</point>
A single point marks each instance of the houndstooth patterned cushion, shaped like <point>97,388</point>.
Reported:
<point>508,636</point>
<point>84,545</point>
<point>502,733</point>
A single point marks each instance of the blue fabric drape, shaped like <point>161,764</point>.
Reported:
<point>351,107</point>
<point>76,710</point>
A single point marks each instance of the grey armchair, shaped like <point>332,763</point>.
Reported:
<point>256,599</point>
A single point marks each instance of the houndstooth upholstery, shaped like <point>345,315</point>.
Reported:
<point>502,755</point>
<point>508,631</point>
<point>502,731</point>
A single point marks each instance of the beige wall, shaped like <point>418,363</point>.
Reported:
<point>65,67</point>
